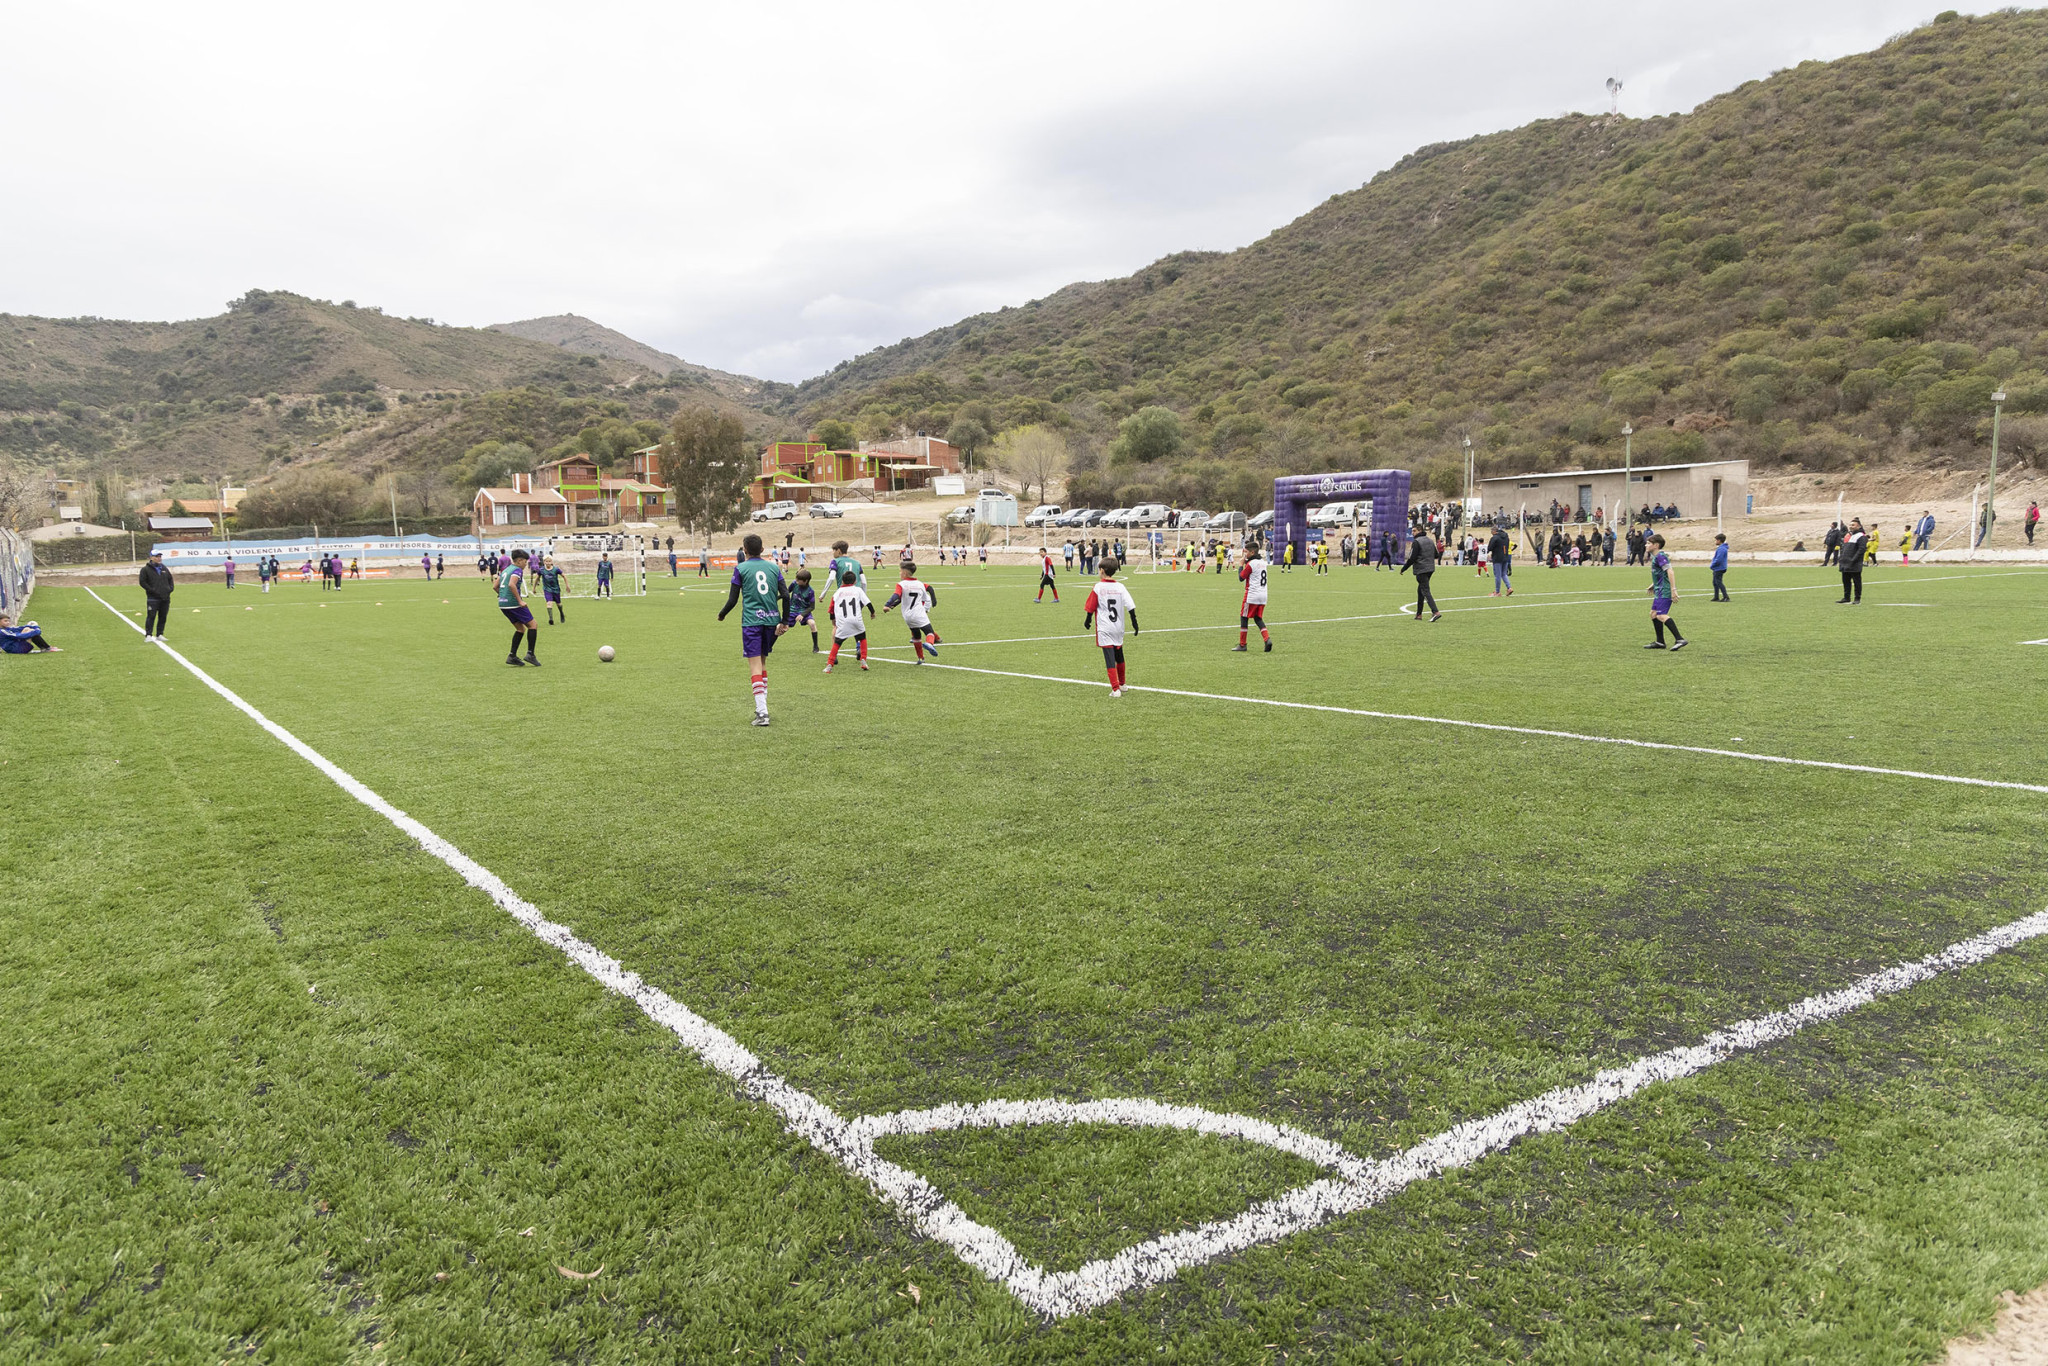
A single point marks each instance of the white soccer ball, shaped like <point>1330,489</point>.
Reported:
<point>604,652</point>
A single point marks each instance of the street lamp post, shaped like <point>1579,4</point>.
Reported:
<point>1468,471</point>
<point>1628,461</point>
<point>1991,489</point>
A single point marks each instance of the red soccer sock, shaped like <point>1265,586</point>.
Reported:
<point>1241,634</point>
<point>832,658</point>
<point>1264,634</point>
<point>917,644</point>
<point>1111,671</point>
<point>1120,675</point>
<point>861,647</point>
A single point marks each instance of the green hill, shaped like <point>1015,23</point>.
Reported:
<point>1834,266</point>
<point>280,383</point>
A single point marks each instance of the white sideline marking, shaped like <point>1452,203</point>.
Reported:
<point>1496,726</point>
<point>1357,1184</point>
<point>1624,597</point>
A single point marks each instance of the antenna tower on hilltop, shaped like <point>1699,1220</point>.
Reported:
<point>1613,95</point>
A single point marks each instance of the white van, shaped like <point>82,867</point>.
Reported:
<point>1342,514</point>
<point>1148,514</point>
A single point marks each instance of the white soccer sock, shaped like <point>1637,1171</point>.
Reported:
<point>760,694</point>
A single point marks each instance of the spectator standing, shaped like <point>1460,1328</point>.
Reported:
<point>2033,516</point>
<point>1923,531</point>
<point>1849,559</point>
<point>1607,547</point>
<point>1502,558</point>
<point>229,567</point>
<point>1831,548</point>
<point>440,565</point>
<point>157,587</point>
<point>1720,567</point>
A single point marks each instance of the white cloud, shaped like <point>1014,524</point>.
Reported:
<point>770,187</point>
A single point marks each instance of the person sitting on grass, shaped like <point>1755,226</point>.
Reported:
<point>24,639</point>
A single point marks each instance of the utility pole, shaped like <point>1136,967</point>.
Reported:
<point>394,505</point>
<point>1468,472</point>
<point>1991,489</point>
<point>1628,462</point>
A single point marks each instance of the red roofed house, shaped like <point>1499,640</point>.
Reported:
<point>520,505</point>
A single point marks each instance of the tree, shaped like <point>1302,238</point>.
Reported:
<point>317,497</point>
<point>705,464</point>
<point>20,505</point>
<point>1034,456</point>
<point>1148,435</point>
<point>835,435</point>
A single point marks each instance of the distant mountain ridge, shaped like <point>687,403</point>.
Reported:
<point>280,379</point>
<point>575,333</point>
<point>1832,267</point>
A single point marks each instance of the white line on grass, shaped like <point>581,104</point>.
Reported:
<point>1357,1184</point>
<point>1496,726</point>
<point>1627,596</point>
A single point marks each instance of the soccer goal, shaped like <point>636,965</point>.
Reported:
<point>580,566</point>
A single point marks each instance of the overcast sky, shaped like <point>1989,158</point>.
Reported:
<point>768,188</point>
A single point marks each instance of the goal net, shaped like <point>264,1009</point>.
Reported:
<point>584,567</point>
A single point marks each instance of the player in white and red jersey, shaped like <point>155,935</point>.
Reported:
<point>1045,580</point>
<point>1253,574</point>
<point>1108,611</point>
<point>849,600</point>
<point>917,599</point>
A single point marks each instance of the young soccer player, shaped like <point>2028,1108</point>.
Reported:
<point>551,592</point>
<point>512,602</point>
<point>1045,579</point>
<point>604,575</point>
<point>842,560</point>
<point>1108,609</point>
<point>849,600</point>
<point>23,639</point>
<point>229,567</point>
<point>1719,566</point>
<point>1253,608</point>
<point>917,599</point>
<point>803,606</point>
<point>263,572</point>
<point>1661,595</point>
<point>765,615</point>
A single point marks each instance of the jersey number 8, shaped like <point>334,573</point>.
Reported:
<point>761,582</point>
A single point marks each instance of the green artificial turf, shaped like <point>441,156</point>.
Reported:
<point>281,1087</point>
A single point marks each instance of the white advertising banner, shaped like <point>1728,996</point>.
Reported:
<point>385,548</point>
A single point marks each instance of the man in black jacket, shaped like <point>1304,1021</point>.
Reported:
<point>1849,552</point>
<point>1831,548</point>
<point>1422,556</point>
<point>1501,558</point>
<point>157,585</point>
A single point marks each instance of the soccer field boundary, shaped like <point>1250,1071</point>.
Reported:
<point>1358,1183</point>
<point>1498,727</point>
<point>1620,597</point>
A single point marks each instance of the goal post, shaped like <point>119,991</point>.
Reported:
<point>580,566</point>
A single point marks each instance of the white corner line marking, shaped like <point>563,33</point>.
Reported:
<point>1356,1183</point>
<point>1572,735</point>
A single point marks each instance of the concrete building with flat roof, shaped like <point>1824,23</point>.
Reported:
<point>1695,490</point>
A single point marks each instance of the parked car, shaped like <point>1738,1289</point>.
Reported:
<point>1079,517</point>
<point>1148,514</point>
<point>781,510</point>
<point>827,510</point>
<point>1043,515</point>
<point>1339,514</point>
<point>1093,517</point>
<point>1260,522</point>
<point>1225,524</point>
<point>960,516</point>
<point>1115,517</point>
<point>1191,519</point>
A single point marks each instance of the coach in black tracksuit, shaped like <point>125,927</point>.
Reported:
<point>157,585</point>
<point>1422,556</point>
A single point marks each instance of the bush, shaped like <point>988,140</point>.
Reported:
<point>1149,435</point>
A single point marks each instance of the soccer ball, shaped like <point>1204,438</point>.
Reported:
<point>604,652</point>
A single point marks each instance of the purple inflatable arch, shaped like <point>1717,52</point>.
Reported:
<point>1294,493</point>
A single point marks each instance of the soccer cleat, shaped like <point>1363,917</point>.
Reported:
<point>1436,616</point>
<point>828,668</point>
<point>1116,692</point>
<point>1237,649</point>
<point>534,662</point>
<point>863,666</point>
<point>1679,645</point>
<point>761,719</point>
<point>1656,645</point>
<point>1269,647</point>
<point>514,661</point>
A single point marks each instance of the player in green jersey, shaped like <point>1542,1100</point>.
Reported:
<point>763,599</point>
<point>842,560</point>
